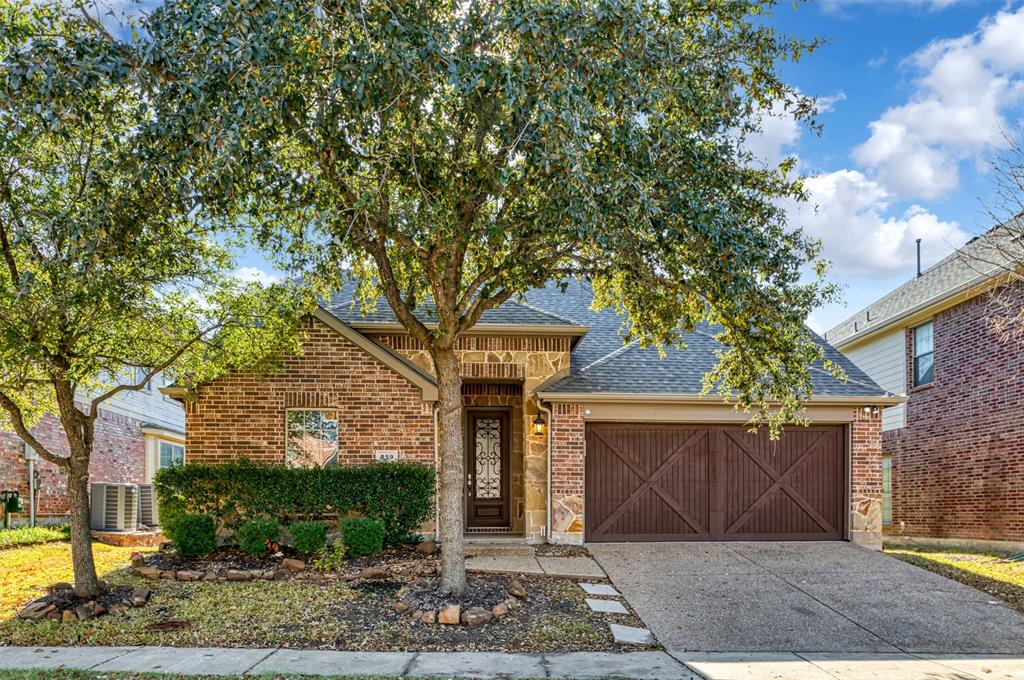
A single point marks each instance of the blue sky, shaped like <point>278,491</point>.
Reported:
<point>916,96</point>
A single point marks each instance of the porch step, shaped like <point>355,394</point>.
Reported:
<point>505,546</point>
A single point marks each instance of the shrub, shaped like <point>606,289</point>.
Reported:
<point>401,495</point>
<point>10,538</point>
<point>308,537</point>
<point>194,535</point>
<point>330,558</point>
<point>362,536</point>
<point>256,535</point>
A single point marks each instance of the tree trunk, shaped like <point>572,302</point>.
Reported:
<point>86,582</point>
<point>451,513</point>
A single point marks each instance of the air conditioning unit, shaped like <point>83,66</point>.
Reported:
<point>149,515</point>
<point>115,507</point>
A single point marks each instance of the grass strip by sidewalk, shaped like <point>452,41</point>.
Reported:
<point>20,536</point>
<point>986,571</point>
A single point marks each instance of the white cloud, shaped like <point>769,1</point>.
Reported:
<point>779,131</point>
<point>847,211</point>
<point>963,90</point>
<point>879,60</point>
<point>250,274</point>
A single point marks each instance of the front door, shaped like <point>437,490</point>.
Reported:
<point>487,470</point>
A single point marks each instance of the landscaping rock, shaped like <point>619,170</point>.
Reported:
<point>476,616</point>
<point>238,575</point>
<point>210,576</point>
<point>277,575</point>
<point>450,616</point>
<point>139,597</point>
<point>36,610</point>
<point>511,603</point>
<point>147,572</point>
<point>427,548</point>
<point>58,587</point>
<point>138,560</point>
<point>373,573</point>
<point>516,589</point>
<point>293,565</point>
<point>55,615</point>
<point>190,575</point>
<point>118,607</point>
<point>169,575</point>
<point>68,616</point>
<point>401,608</point>
<point>429,617</point>
<point>88,610</point>
<point>500,610</point>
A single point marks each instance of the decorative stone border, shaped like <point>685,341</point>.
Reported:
<point>453,615</point>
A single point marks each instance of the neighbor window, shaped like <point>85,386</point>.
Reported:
<point>171,454</point>
<point>886,489</point>
<point>924,355</point>
<point>312,438</point>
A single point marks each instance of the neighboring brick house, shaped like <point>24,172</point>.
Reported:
<point>571,435</point>
<point>954,453</point>
<point>136,433</point>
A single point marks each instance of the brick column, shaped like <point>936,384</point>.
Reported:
<point>567,449</point>
<point>866,479</point>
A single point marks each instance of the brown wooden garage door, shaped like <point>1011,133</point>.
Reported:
<point>652,482</point>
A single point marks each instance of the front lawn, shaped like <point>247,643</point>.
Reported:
<point>335,613</point>
<point>986,571</point>
<point>25,571</point>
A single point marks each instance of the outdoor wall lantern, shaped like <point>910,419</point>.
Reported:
<point>539,425</point>
<point>871,410</point>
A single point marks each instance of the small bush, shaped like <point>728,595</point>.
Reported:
<point>330,558</point>
<point>194,535</point>
<point>256,535</point>
<point>308,537</point>
<point>362,536</point>
<point>11,538</point>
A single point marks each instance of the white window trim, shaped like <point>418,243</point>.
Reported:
<point>153,439</point>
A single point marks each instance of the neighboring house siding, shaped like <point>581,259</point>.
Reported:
<point>242,415</point>
<point>150,406</point>
<point>884,360</point>
<point>118,456</point>
<point>958,465</point>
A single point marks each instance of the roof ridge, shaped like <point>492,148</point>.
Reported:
<point>539,310</point>
<point>618,351</point>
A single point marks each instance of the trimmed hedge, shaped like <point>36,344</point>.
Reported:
<point>256,536</point>
<point>362,536</point>
<point>400,495</point>
<point>308,537</point>
<point>194,535</point>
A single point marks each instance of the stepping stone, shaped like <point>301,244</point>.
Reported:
<point>627,635</point>
<point>606,606</point>
<point>599,589</point>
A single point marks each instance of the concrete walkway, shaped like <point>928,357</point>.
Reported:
<point>569,567</point>
<point>213,661</point>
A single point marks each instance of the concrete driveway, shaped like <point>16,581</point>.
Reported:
<point>803,597</point>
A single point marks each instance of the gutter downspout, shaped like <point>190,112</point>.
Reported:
<point>437,499</point>
<point>551,422</point>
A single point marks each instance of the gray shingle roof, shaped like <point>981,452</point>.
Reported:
<point>600,362</point>
<point>974,262</point>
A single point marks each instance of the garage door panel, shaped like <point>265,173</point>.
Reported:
<point>687,482</point>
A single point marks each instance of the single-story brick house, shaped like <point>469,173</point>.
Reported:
<point>571,435</point>
<point>954,453</point>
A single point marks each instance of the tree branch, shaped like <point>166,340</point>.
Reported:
<point>18,421</point>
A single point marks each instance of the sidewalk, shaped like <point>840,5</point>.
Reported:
<point>211,661</point>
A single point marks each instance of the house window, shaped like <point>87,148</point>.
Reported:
<point>886,489</point>
<point>171,454</point>
<point>312,438</point>
<point>924,355</point>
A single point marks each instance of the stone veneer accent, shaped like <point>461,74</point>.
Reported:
<point>567,451</point>
<point>529,361</point>
<point>866,479</point>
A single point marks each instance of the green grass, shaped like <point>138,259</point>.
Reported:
<point>26,570</point>
<point>986,571</point>
<point>12,538</point>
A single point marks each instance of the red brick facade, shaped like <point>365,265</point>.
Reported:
<point>243,415</point>
<point>866,477</point>
<point>118,456</point>
<point>958,464</point>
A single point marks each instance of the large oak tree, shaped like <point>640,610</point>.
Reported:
<point>463,152</point>
<point>108,262</point>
